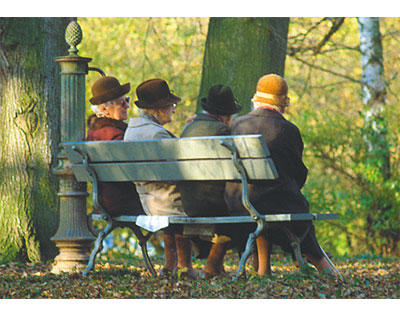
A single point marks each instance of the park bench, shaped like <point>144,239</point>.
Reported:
<point>218,158</point>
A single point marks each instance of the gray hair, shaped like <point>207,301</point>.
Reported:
<point>96,108</point>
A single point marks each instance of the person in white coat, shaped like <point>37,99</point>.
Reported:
<point>161,198</point>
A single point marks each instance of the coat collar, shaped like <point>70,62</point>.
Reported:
<point>205,116</point>
<point>267,113</point>
<point>141,121</point>
<point>96,123</point>
<point>144,119</point>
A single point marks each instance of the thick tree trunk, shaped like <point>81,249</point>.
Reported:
<point>241,50</point>
<point>29,134</point>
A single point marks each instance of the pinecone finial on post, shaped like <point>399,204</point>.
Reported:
<point>73,37</point>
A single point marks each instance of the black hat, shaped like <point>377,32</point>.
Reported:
<point>220,101</point>
<point>154,93</point>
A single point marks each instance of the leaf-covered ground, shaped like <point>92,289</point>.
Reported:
<point>365,277</point>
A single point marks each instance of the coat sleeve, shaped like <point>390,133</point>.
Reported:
<point>162,133</point>
<point>295,145</point>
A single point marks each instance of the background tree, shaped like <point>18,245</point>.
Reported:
<point>239,51</point>
<point>29,103</point>
<point>346,176</point>
<point>376,163</point>
<point>324,71</point>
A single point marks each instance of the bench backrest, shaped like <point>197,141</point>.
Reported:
<point>197,158</point>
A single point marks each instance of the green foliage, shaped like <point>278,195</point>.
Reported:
<point>347,176</point>
<point>325,90</point>
<point>137,49</point>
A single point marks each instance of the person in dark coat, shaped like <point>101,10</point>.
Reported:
<point>110,105</point>
<point>282,195</point>
<point>207,198</point>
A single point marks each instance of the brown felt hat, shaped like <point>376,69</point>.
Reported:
<point>155,94</point>
<point>220,101</point>
<point>108,88</point>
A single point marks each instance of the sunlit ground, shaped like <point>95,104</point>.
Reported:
<point>125,277</point>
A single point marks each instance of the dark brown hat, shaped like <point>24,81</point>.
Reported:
<point>220,100</point>
<point>108,88</point>
<point>155,93</point>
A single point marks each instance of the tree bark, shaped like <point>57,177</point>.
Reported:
<point>373,88</point>
<point>29,134</point>
<point>239,51</point>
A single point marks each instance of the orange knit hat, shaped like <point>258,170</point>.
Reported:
<point>270,89</point>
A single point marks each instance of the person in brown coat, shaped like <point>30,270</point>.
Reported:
<point>282,195</point>
<point>110,105</point>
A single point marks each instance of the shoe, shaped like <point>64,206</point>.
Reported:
<point>166,272</point>
<point>189,273</point>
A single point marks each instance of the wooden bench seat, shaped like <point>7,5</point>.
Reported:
<point>224,158</point>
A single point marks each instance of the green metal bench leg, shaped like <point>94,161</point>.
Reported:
<point>331,264</point>
<point>249,248</point>
<point>143,246</point>
<point>295,243</point>
<point>247,205</point>
<point>297,253</point>
<point>98,246</point>
<point>147,261</point>
<point>246,254</point>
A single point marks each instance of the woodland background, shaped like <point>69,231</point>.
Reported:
<point>326,104</point>
<point>353,169</point>
<point>352,143</point>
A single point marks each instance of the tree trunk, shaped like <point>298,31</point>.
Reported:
<point>376,131</point>
<point>373,88</point>
<point>239,51</point>
<point>29,134</point>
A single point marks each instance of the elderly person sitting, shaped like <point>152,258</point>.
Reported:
<point>110,105</point>
<point>207,197</point>
<point>282,195</point>
<point>158,105</point>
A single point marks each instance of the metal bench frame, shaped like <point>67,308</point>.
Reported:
<point>263,221</point>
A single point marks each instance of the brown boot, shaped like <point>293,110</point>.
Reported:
<point>215,260</point>
<point>324,265</point>
<point>170,254</point>
<point>264,255</point>
<point>184,251</point>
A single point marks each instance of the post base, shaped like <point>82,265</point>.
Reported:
<point>73,256</point>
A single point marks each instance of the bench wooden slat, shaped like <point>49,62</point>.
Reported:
<point>248,146</point>
<point>257,169</point>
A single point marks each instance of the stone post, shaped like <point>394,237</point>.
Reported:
<point>73,237</point>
